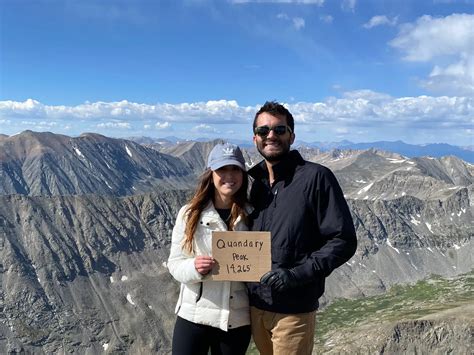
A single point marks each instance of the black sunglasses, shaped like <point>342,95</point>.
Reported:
<point>264,131</point>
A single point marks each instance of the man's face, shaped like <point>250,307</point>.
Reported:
<point>273,146</point>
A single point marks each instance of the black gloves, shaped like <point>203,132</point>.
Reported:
<point>279,279</point>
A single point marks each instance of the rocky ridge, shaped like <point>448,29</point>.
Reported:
<point>47,164</point>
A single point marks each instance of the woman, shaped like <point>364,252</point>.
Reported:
<point>211,314</point>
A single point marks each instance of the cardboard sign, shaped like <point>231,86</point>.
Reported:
<point>240,256</point>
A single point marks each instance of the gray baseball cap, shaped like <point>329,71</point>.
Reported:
<point>225,154</point>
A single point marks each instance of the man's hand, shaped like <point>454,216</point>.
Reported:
<point>204,264</point>
<point>279,279</point>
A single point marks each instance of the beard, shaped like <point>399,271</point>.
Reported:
<point>274,155</point>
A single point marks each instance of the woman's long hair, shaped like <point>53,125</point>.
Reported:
<point>202,196</point>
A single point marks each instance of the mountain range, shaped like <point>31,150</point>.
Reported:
<point>435,150</point>
<point>85,227</point>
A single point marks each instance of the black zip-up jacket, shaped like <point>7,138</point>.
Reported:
<point>311,228</point>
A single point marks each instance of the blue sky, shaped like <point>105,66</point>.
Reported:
<point>346,69</point>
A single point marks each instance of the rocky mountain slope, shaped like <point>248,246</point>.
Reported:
<point>81,260</point>
<point>378,175</point>
<point>47,164</point>
<point>434,316</point>
<point>85,274</point>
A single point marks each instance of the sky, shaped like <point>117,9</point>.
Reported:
<point>358,70</point>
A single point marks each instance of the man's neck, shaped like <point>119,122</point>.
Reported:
<point>271,175</point>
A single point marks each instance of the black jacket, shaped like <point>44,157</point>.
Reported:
<point>311,228</point>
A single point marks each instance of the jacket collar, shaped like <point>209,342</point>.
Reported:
<point>283,170</point>
<point>210,215</point>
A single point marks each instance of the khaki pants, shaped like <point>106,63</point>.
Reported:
<point>283,334</point>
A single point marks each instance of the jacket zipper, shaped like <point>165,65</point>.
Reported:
<point>275,197</point>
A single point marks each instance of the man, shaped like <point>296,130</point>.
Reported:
<point>312,233</point>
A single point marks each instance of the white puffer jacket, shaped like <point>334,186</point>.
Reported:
<point>220,304</point>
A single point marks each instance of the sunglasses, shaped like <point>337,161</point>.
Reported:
<point>264,131</point>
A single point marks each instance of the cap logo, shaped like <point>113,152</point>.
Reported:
<point>228,151</point>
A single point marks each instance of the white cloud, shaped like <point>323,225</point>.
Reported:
<point>211,111</point>
<point>204,128</point>
<point>39,123</point>
<point>348,5</point>
<point>163,125</point>
<point>366,108</point>
<point>121,125</point>
<point>309,2</point>
<point>326,18</point>
<point>448,44</point>
<point>298,22</point>
<point>283,16</point>
<point>342,130</point>
<point>379,21</point>
<point>430,37</point>
<point>361,110</point>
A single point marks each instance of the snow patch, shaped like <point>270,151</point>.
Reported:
<point>112,279</point>
<point>396,161</point>
<point>108,185</point>
<point>429,226</point>
<point>414,221</point>
<point>457,247</point>
<point>105,346</point>
<point>430,249</point>
<point>361,181</point>
<point>129,299</point>
<point>78,152</point>
<point>124,278</point>
<point>365,189</point>
<point>128,151</point>
<point>391,246</point>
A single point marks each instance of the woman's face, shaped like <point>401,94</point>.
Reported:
<point>227,181</point>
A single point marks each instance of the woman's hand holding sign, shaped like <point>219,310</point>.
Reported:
<point>204,264</point>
